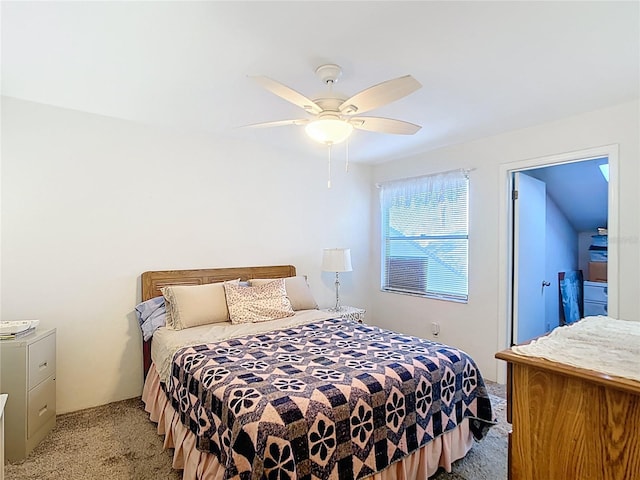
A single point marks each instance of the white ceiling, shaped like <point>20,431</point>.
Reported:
<point>486,67</point>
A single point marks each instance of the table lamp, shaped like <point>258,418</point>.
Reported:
<point>336,260</point>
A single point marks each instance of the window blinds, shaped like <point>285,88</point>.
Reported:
<point>425,235</point>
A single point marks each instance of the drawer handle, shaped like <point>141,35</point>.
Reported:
<point>42,411</point>
<point>43,365</point>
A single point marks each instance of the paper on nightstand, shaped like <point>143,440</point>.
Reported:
<point>17,326</point>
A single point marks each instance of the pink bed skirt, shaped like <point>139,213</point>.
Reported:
<point>420,465</point>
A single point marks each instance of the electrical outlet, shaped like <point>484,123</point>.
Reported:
<point>435,328</point>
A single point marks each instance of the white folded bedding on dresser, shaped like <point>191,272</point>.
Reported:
<point>602,344</point>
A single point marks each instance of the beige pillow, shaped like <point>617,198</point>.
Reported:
<point>193,305</point>
<point>297,289</point>
<point>258,303</point>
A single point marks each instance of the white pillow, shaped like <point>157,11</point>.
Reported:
<point>258,303</point>
<point>297,289</point>
<point>193,305</point>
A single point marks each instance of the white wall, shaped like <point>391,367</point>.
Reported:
<point>475,327</point>
<point>584,257</point>
<point>90,202</point>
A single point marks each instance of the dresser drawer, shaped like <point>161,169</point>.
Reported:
<point>594,308</point>
<point>42,360</point>
<point>41,405</point>
<point>596,292</point>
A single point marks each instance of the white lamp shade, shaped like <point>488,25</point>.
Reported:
<point>329,130</point>
<point>336,260</point>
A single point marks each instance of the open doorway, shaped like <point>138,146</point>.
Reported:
<point>559,244</point>
<point>505,245</point>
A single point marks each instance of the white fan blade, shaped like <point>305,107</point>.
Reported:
<point>287,93</point>
<point>278,123</point>
<point>384,125</point>
<point>381,94</point>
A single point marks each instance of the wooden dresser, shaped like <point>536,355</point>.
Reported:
<point>570,423</point>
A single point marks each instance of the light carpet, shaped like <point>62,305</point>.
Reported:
<point>118,442</point>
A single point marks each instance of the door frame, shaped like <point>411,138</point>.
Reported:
<point>505,240</point>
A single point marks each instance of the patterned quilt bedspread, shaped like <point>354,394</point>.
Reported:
<point>332,400</point>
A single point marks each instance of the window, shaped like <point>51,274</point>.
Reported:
<point>425,236</point>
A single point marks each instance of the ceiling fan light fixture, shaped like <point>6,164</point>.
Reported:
<point>329,131</point>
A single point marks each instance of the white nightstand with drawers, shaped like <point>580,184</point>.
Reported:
<point>3,401</point>
<point>28,375</point>
<point>596,298</point>
<point>348,313</point>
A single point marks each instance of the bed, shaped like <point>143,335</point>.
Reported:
<point>307,395</point>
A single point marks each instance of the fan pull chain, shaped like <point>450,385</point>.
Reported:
<point>329,167</point>
<point>346,163</point>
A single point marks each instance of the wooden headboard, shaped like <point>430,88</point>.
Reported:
<point>153,281</point>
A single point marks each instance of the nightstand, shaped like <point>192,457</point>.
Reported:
<point>348,313</point>
<point>3,400</point>
<point>28,375</point>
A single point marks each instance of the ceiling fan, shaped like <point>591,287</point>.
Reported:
<point>333,117</point>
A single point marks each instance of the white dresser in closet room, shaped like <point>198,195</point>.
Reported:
<point>595,298</point>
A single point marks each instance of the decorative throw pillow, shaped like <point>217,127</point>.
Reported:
<point>258,303</point>
<point>193,305</point>
<point>151,316</point>
<point>297,289</point>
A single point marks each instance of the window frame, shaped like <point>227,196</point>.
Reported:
<point>386,238</point>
